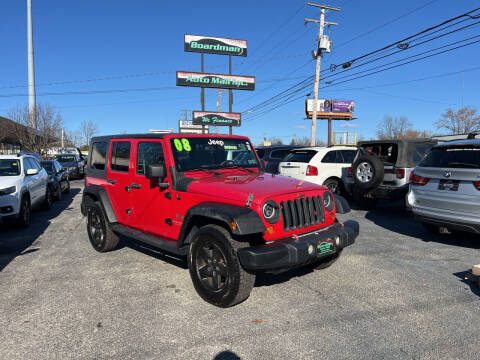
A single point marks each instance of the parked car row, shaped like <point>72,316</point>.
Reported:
<point>439,183</point>
<point>26,183</point>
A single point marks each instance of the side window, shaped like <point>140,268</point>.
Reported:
<point>58,167</point>
<point>348,156</point>
<point>120,159</point>
<point>339,157</point>
<point>330,157</point>
<point>27,165</point>
<point>35,164</point>
<point>148,153</point>
<point>98,156</point>
<point>279,154</point>
<point>260,153</point>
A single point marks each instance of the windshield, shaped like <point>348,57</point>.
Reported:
<point>48,167</point>
<point>454,157</point>
<point>9,167</point>
<point>302,156</point>
<point>212,153</point>
<point>65,158</point>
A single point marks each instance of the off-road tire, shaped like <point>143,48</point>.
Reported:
<point>101,237</point>
<point>67,190</point>
<point>23,219</point>
<point>335,186</point>
<point>58,195</point>
<point>215,242</point>
<point>372,178</point>
<point>326,262</point>
<point>47,202</point>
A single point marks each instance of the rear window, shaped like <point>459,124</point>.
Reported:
<point>302,156</point>
<point>387,152</point>
<point>453,157</point>
<point>98,156</point>
<point>279,154</point>
<point>260,153</point>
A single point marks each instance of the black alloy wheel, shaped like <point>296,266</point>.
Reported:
<point>211,267</point>
<point>25,211</point>
<point>96,228</point>
<point>216,272</point>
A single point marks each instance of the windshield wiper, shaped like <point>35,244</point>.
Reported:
<point>461,164</point>
<point>241,167</point>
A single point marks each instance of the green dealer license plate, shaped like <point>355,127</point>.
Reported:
<point>324,247</point>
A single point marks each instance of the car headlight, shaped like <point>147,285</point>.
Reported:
<point>328,201</point>
<point>271,211</point>
<point>8,191</point>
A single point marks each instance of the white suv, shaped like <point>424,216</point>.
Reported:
<point>23,185</point>
<point>319,165</point>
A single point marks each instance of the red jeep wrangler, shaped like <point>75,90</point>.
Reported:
<point>207,197</point>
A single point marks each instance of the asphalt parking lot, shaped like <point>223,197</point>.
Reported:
<point>398,293</point>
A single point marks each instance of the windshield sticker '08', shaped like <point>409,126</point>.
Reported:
<point>215,142</point>
<point>182,144</point>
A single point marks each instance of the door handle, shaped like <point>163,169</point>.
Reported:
<point>135,186</point>
<point>111,181</point>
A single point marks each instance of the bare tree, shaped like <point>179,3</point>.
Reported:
<point>88,129</point>
<point>47,133</point>
<point>462,121</point>
<point>393,128</point>
<point>275,140</point>
<point>305,141</point>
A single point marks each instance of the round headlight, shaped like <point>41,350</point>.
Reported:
<point>271,211</point>
<point>328,201</point>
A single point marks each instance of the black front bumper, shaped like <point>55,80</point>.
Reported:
<point>294,251</point>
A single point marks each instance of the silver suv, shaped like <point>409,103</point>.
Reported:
<point>445,187</point>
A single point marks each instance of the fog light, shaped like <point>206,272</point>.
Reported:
<point>310,249</point>
<point>270,229</point>
<point>332,216</point>
<point>337,240</point>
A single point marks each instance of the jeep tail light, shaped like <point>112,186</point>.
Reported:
<point>349,172</point>
<point>312,170</point>
<point>400,173</point>
<point>418,180</point>
<point>477,184</point>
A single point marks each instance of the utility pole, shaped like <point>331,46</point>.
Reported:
<point>31,70</point>
<point>218,106</point>
<point>323,44</point>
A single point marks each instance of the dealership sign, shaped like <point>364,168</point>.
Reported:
<point>187,126</point>
<point>220,81</point>
<point>214,45</point>
<point>216,118</point>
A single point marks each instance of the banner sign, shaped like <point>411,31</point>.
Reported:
<point>214,45</point>
<point>187,126</point>
<point>216,118</point>
<point>343,106</point>
<point>219,81</point>
<point>337,109</point>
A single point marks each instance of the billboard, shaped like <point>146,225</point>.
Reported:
<point>216,118</point>
<point>343,106</point>
<point>215,45</point>
<point>219,81</point>
<point>339,109</point>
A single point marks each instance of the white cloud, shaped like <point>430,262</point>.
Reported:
<point>349,125</point>
<point>301,127</point>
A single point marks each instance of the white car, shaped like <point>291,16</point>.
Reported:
<point>319,165</point>
<point>23,185</point>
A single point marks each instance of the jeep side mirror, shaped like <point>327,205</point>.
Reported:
<point>156,171</point>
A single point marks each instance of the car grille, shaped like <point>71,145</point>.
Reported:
<point>302,212</point>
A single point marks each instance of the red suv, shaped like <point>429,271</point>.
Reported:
<point>207,197</point>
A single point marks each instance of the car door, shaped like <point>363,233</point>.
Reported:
<point>41,177</point>
<point>151,206</point>
<point>329,166</point>
<point>118,180</point>
<point>29,181</point>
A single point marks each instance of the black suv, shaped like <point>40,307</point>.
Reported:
<point>272,155</point>
<point>381,169</point>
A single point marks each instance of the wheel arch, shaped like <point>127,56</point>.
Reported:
<point>95,193</point>
<point>247,221</point>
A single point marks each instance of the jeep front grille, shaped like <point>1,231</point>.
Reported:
<point>302,212</point>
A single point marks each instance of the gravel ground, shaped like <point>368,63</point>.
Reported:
<point>398,293</point>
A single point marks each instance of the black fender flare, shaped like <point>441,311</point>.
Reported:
<point>94,193</point>
<point>247,221</point>
<point>341,205</point>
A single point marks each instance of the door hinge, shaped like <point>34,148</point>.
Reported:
<point>168,195</point>
<point>128,211</point>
